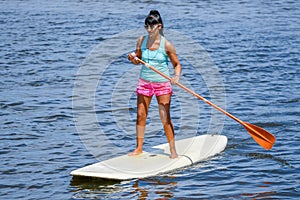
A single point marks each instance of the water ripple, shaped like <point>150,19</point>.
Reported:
<point>254,44</point>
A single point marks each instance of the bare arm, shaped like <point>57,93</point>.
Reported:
<point>170,49</point>
<point>138,51</point>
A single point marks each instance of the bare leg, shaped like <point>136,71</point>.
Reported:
<point>164,112</point>
<point>143,103</point>
<point>140,131</point>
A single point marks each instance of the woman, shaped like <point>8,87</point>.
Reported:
<point>155,50</point>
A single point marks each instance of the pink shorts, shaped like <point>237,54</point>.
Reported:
<point>148,88</point>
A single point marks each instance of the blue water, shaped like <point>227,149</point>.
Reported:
<point>45,45</point>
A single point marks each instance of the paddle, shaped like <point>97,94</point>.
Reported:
<point>261,136</point>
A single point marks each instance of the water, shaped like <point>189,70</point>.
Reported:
<point>255,45</point>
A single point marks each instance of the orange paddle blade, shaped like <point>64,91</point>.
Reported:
<point>261,136</point>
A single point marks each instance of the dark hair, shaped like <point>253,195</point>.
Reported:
<point>154,18</point>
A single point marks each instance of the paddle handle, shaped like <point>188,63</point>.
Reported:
<point>186,89</point>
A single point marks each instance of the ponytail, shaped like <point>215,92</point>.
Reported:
<point>154,18</point>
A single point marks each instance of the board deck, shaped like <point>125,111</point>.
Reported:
<point>147,164</point>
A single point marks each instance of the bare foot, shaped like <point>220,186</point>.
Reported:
<point>173,155</point>
<point>135,152</point>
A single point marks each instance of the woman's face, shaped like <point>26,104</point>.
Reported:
<point>153,30</point>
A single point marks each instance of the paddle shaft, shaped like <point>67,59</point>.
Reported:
<point>190,91</point>
<point>261,136</point>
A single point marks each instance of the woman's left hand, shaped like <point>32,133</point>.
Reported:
<point>175,79</point>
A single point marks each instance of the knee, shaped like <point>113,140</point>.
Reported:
<point>164,114</point>
<point>141,117</point>
<point>166,121</point>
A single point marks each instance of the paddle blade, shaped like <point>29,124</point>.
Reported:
<point>261,136</point>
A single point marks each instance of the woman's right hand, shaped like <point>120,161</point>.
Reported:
<point>131,57</point>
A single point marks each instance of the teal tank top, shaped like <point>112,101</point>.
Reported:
<point>156,58</point>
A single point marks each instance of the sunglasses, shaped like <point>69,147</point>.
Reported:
<point>151,26</point>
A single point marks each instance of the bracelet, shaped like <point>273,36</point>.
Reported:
<point>177,75</point>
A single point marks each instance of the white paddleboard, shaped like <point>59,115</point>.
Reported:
<point>190,151</point>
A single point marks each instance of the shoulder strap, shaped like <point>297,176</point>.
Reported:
<point>162,42</point>
<point>144,43</point>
